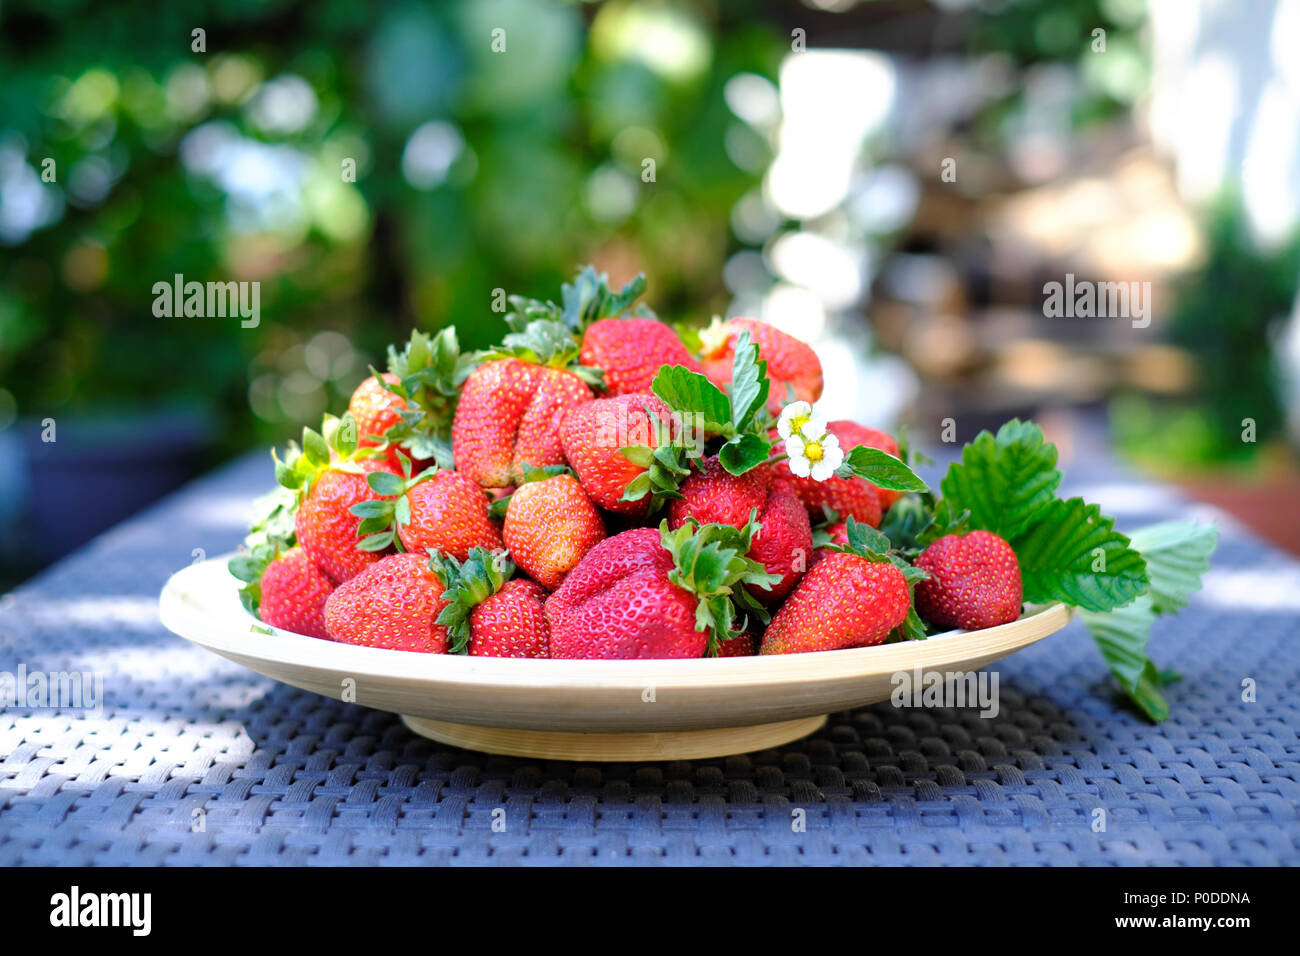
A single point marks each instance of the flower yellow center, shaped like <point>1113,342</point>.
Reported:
<point>797,423</point>
<point>812,451</point>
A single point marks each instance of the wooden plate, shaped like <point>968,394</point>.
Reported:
<point>584,710</point>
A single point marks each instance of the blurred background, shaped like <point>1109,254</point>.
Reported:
<point>895,181</point>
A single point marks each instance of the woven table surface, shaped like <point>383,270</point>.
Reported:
<point>195,760</point>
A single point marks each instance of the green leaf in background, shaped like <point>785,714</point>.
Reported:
<point>1073,553</point>
<point>691,393</point>
<point>1177,555</point>
<point>881,469</point>
<point>1004,482</point>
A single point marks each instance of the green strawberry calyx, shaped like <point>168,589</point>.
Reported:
<point>334,447</point>
<point>430,371</point>
<point>270,535</point>
<point>468,584</point>
<point>711,562</point>
<point>872,545</point>
<point>666,464</point>
<point>586,301</point>
<point>549,343</point>
<point>383,518</point>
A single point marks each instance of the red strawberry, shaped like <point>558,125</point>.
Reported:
<point>486,613</point>
<point>509,415</point>
<point>592,435</point>
<point>393,605</point>
<point>789,361</point>
<point>293,594</point>
<point>631,352</point>
<point>845,600</point>
<point>511,623</point>
<point>448,513</point>
<point>375,409</point>
<point>974,582</point>
<point>848,497</point>
<point>550,525</point>
<point>325,526</point>
<point>742,645</point>
<point>783,543</point>
<point>631,598</point>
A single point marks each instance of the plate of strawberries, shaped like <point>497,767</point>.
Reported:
<point>608,539</point>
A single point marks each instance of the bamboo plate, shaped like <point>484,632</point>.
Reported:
<point>584,710</point>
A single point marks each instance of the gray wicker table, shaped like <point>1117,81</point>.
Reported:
<point>195,760</point>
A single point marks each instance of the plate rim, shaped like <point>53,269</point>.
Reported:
<point>183,613</point>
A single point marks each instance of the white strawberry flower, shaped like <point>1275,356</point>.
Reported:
<point>814,458</point>
<point>798,418</point>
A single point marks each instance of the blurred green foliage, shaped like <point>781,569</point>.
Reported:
<point>1227,315</point>
<point>477,168</point>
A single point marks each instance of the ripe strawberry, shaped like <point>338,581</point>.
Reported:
<point>631,352</point>
<point>789,361</point>
<point>293,595</point>
<point>847,497</point>
<point>325,525</point>
<point>375,409</point>
<point>448,513</point>
<point>974,582</point>
<point>550,525</point>
<point>845,600</point>
<point>592,434</point>
<point>650,593</point>
<point>509,415</point>
<point>783,543</point>
<point>392,605</point>
<point>511,623</point>
<point>487,613</point>
<point>742,645</point>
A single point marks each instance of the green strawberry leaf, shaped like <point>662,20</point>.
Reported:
<point>710,561</point>
<point>943,523</point>
<point>385,483</point>
<point>1072,553</point>
<point>1004,482</point>
<point>905,521</point>
<point>690,393</point>
<point>749,383</point>
<point>1122,635</point>
<point>314,448</point>
<point>468,584</point>
<point>377,542</point>
<point>640,455</point>
<point>1177,554</point>
<point>744,452</point>
<point>912,628</point>
<point>866,540</point>
<point>881,469</point>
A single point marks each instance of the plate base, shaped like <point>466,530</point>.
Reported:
<point>668,745</point>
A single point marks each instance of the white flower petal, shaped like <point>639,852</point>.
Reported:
<point>814,428</point>
<point>832,455</point>
<point>785,424</point>
<point>794,446</point>
<point>820,471</point>
<point>800,467</point>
